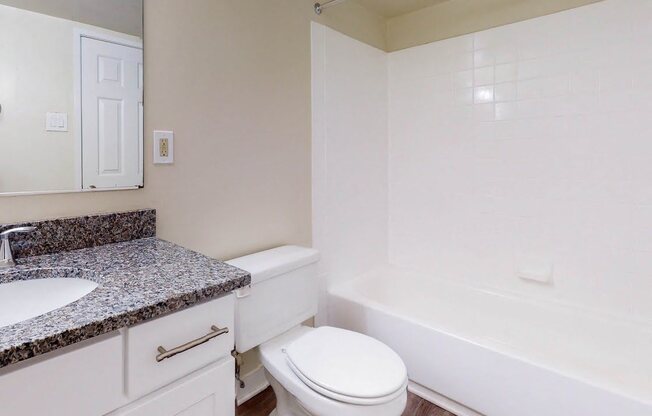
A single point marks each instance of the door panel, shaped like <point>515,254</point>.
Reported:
<point>112,135</point>
<point>207,392</point>
<point>80,380</point>
<point>110,120</point>
<point>205,407</point>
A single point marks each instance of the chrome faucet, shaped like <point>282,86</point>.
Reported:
<point>6,256</point>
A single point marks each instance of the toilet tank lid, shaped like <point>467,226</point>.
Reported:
<point>270,263</point>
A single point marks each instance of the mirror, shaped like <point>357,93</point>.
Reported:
<point>71,95</point>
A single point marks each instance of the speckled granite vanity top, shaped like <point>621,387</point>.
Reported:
<point>137,280</point>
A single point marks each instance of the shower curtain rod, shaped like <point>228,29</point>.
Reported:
<point>319,7</point>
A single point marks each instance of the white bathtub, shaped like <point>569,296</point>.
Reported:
<point>499,355</point>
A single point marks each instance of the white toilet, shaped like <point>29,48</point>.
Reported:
<point>314,371</point>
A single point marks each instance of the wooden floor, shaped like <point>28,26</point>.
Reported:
<point>264,403</point>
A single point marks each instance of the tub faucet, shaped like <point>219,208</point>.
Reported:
<point>6,256</point>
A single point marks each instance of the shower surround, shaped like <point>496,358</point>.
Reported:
<point>513,162</point>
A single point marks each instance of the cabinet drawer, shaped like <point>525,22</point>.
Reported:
<point>208,392</point>
<point>194,334</point>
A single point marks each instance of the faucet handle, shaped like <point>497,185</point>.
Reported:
<point>7,233</point>
<point>6,256</point>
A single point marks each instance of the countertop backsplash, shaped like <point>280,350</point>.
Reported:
<point>66,234</point>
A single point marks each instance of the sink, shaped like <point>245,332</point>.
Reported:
<point>24,299</point>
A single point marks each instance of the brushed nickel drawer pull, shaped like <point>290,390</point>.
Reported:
<point>216,332</point>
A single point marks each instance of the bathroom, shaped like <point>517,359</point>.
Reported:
<point>359,207</point>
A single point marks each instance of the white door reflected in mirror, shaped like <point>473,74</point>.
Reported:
<point>112,98</point>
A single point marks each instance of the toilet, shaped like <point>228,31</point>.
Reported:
<point>321,371</point>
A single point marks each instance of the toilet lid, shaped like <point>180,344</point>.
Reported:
<point>347,366</point>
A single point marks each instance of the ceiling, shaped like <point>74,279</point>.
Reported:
<point>393,8</point>
<point>125,16</point>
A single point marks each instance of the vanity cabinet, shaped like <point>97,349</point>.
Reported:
<point>125,373</point>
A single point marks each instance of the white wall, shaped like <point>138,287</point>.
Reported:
<point>36,77</point>
<point>349,122</point>
<point>124,16</point>
<point>529,146</point>
<point>36,73</point>
<point>526,147</point>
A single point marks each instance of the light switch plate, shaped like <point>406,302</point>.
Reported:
<point>163,147</point>
<point>56,121</point>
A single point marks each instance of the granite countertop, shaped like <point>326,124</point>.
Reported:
<point>138,280</point>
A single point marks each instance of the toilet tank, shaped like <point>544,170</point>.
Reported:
<point>283,293</point>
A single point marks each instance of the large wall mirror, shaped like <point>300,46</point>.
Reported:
<point>71,95</point>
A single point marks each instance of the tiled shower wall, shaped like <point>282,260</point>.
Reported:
<point>528,148</point>
<point>349,164</point>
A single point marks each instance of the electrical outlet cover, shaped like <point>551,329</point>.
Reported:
<point>56,121</point>
<point>160,148</point>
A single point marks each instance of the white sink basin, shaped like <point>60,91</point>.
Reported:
<point>24,299</point>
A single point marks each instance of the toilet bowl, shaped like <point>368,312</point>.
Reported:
<point>331,371</point>
<point>321,371</point>
<point>336,382</point>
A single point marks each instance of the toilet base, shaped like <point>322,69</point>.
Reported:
<point>286,403</point>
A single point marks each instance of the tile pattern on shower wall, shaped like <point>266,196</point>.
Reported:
<point>529,146</point>
<point>349,154</point>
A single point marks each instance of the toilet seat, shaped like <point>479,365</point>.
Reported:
<point>279,372</point>
<point>349,399</point>
<point>347,366</point>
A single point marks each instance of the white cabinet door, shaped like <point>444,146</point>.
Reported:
<point>78,380</point>
<point>208,392</point>
<point>112,96</point>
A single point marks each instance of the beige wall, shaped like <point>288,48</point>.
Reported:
<point>232,78</point>
<point>459,17</point>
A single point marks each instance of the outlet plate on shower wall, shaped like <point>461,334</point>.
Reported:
<point>539,274</point>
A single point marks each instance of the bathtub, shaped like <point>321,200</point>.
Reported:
<point>477,352</point>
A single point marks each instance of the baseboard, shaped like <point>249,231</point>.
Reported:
<point>441,401</point>
<point>255,382</point>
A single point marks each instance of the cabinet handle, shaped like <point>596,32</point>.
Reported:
<point>216,332</point>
